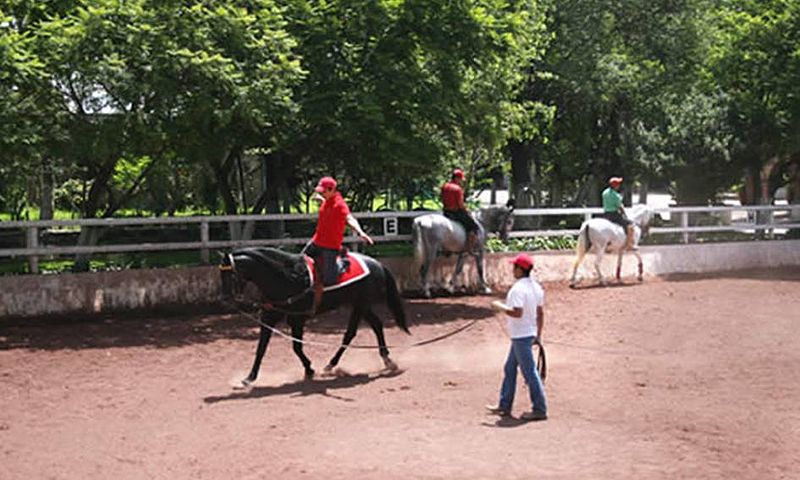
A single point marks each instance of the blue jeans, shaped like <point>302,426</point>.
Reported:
<point>521,355</point>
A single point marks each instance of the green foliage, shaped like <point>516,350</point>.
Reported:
<point>566,242</point>
<point>163,106</point>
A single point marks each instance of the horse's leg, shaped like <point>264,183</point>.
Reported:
<point>457,272</point>
<point>484,289</point>
<point>619,265</point>
<point>268,319</point>
<point>583,247</point>
<point>377,327</point>
<point>427,260</point>
<point>297,324</point>
<point>575,264</point>
<point>352,328</point>
<point>598,261</point>
<point>641,265</point>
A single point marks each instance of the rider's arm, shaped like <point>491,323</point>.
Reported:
<point>353,223</point>
<point>461,205</point>
<point>621,206</point>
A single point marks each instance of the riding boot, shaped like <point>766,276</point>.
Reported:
<point>318,291</point>
<point>629,238</point>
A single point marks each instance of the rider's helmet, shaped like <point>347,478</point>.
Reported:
<point>458,173</point>
<point>615,181</point>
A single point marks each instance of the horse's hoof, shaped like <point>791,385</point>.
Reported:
<point>486,291</point>
<point>243,384</point>
<point>390,365</point>
<point>328,368</point>
<point>641,279</point>
<point>309,374</point>
<point>573,285</point>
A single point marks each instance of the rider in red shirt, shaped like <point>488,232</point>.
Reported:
<point>334,215</point>
<point>454,208</point>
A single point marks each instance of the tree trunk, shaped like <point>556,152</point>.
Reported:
<point>793,194</point>
<point>644,190</point>
<point>221,173</point>
<point>522,186</point>
<point>46,201</point>
<point>90,235</point>
<point>276,186</point>
<point>521,174</point>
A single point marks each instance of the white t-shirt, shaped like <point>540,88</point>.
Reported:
<point>527,294</point>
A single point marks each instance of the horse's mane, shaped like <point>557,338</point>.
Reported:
<point>291,267</point>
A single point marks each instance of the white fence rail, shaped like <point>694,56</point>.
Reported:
<point>764,219</point>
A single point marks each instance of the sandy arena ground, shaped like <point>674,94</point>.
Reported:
<point>686,377</point>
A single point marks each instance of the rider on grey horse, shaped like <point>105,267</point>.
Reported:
<point>454,208</point>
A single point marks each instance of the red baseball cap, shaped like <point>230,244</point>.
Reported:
<point>523,260</point>
<point>325,183</point>
<point>458,173</point>
<point>614,181</point>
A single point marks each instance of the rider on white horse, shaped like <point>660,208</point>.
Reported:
<point>614,211</point>
<point>454,208</point>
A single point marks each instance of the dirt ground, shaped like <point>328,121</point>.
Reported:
<point>685,377</point>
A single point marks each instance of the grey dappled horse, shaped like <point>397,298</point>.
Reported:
<point>434,233</point>
<point>601,236</point>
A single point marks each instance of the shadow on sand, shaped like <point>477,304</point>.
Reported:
<point>790,274</point>
<point>165,331</point>
<point>302,388</point>
<point>507,422</point>
<point>608,285</point>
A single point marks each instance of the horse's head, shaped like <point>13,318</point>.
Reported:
<point>498,219</point>
<point>641,215</point>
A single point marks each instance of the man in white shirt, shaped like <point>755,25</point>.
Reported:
<point>524,321</point>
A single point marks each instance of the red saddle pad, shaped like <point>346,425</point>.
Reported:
<point>358,270</point>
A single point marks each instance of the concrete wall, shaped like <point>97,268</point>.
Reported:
<point>92,293</point>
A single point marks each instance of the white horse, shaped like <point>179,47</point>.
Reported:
<point>434,232</point>
<point>601,236</point>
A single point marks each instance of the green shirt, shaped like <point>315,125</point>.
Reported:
<point>612,200</point>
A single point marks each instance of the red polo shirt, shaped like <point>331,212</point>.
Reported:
<point>452,196</point>
<point>331,223</point>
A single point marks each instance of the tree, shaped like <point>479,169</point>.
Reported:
<point>756,62</point>
<point>397,90</point>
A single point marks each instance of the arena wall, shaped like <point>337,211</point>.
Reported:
<point>198,287</point>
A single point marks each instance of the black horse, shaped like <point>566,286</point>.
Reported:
<point>287,292</point>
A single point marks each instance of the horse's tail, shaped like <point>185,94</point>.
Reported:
<point>584,242</point>
<point>416,239</point>
<point>394,301</point>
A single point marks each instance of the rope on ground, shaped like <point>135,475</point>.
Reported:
<point>359,347</point>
